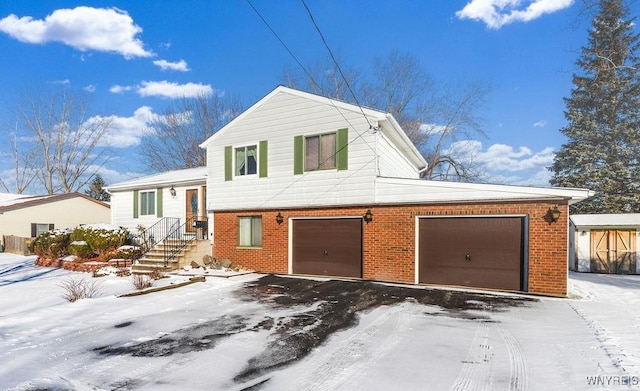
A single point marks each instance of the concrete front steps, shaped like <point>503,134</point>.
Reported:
<point>153,260</point>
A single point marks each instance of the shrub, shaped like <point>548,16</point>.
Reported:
<point>51,244</point>
<point>80,249</point>
<point>78,288</point>
<point>100,237</point>
<point>142,281</point>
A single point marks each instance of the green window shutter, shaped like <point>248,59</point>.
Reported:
<point>263,157</point>
<point>342,143</point>
<point>159,202</point>
<point>135,204</point>
<point>33,230</point>
<point>298,155</point>
<point>228,163</point>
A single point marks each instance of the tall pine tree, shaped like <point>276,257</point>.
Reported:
<point>96,189</point>
<point>603,112</point>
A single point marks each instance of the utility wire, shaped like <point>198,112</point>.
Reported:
<point>333,58</point>
<point>331,101</point>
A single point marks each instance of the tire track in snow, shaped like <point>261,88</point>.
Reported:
<point>341,366</point>
<point>476,369</point>
<point>519,378</point>
<point>617,355</point>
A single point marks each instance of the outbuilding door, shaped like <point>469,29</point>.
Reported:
<point>482,252</point>
<point>327,247</point>
<point>613,251</point>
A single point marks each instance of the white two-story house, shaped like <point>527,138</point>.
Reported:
<point>303,184</point>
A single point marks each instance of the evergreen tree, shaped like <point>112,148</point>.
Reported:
<point>603,112</point>
<point>96,189</point>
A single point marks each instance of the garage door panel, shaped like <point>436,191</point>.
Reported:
<point>329,247</point>
<point>484,252</point>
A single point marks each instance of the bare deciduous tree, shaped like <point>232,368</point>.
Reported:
<point>433,116</point>
<point>59,145</point>
<point>182,127</point>
<point>324,78</point>
<point>22,166</point>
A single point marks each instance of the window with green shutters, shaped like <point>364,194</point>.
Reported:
<point>246,161</point>
<point>321,152</point>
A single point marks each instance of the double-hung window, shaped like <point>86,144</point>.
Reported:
<point>147,202</point>
<point>247,160</point>
<point>250,231</point>
<point>320,152</point>
<point>323,151</point>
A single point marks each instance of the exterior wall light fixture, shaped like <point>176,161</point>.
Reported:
<point>279,218</point>
<point>172,191</point>
<point>554,214</point>
<point>368,216</point>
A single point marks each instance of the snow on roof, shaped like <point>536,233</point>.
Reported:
<point>612,219</point>
<point>24,201</point>
<point>8,199</point>
<point>175,177</point>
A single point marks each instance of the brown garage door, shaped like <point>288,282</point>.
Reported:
<point>483,252</point>
<point>328,247</point>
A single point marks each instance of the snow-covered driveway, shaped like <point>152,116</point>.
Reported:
<point>298,334</point>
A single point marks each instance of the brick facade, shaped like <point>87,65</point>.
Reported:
<point>389,247</point>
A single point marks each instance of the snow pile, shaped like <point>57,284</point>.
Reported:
<point>200,336</point>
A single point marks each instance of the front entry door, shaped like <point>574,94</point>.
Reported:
<point>613,251</point>
<point>191,204</point>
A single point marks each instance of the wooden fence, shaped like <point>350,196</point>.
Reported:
<point>16,244</point>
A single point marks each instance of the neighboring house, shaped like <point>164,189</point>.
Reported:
<point>303,184</point>
<point>605,243</point>
<point>28,216</point>
<point>178,194</point>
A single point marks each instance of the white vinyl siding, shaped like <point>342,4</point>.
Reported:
<point>391,163</point>
<point>173,206</point>
<point>250,231</point>
<point>282,118</point>
<point>61,214</point>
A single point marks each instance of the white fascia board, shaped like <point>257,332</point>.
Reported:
<point>404,144</point>
<point>606,219</point>
<point>186,177</point>
<point>419,190</point>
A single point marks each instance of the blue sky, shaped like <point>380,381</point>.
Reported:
<point>134,57</point>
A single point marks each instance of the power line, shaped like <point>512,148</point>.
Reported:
<point>333,58</point>
<point>281,41</point>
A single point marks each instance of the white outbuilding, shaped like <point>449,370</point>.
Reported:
<point>605,243</point>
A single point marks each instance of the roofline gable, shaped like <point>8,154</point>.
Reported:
<point>377,115</point>
<point>39,200</point>
<point>397,134</point>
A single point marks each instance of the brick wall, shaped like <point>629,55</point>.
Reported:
<point>389,241</point>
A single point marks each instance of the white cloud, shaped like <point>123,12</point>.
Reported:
<point>433,128</point>
<point>84,28</point>
<point>127,131</point>
<point>173,90</point>
<point>117,89</point>
<point>89,88</point>
<point>497,13</point>
<point>502,163</point>
<point>166,89</point>
<point>540,124</point>
<point>180,66</point>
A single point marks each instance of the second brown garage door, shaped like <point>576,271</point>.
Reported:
<point>482,252</point>
<point>327,247</point>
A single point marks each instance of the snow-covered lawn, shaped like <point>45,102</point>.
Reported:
<point>164,340</point>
